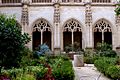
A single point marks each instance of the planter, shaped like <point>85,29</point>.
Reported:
<point>78,60</point>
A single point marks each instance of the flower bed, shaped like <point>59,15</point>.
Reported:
<point>56,68</point>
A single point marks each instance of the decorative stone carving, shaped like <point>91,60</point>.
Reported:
<point>118,20</point>
<point>88,15</point>
<point>56,13</point>
<point>25,2</point>
<point>41,25</point>
<point>88,22</point>
<point>102,26</point>
<point>72,25</point>
<point>24,17</point>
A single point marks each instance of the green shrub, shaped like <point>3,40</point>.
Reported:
<point>108,67</point>
<point>105,50</point>
<point>90,57</point>
<point>114,71</point>
<point>27,57</point>
<point>24,73</point>
<point>12,42</point>
<point>90,60</point>
<point>63,71</point>
<point>58,68</point>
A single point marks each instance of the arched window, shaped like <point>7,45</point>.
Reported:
<point>102,32</point>
<point>41,33</point>
<point>72,33</point>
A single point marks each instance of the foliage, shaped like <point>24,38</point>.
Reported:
<point>105,50</point>
<point>108,67</point>
<point>75,47</point>
<point>12,42</point>
<point>27,57</point>
<point>42,50</point>
<point>106,62</point>
<point>28,73</point>
<point>117,10</point>
<point>44,68</point>
<point>114,71</point>
<point>62,70</point>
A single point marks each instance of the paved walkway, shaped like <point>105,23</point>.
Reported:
<point>88,72</point>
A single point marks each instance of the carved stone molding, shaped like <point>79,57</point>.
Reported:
<point>56,13</point>
<point>102,26</point>
<point>118,20</point>
<point>24,17</point>
<point>25,2</point>
<point>88,15</point>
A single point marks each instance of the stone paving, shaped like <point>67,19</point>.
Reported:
<point>88,72</point>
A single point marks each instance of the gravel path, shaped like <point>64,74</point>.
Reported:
<point>88,72</point>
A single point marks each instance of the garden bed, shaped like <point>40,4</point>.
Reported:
<point>44,68</point>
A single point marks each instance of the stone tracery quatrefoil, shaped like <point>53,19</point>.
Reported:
<point>72,25</point>
<point>41,25</point>
<point>102,26</point>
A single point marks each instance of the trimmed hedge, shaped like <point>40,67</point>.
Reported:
<point>108,67</point>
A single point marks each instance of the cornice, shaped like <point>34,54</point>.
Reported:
<point>11,5</point>
<point>52,4</point>
<point>103,4</point>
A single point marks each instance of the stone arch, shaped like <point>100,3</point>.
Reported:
<point>72,33</point>
<point>102,31</point>
<point>41,33</point>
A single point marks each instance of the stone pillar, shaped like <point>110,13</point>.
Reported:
<point>57,27</point>
<point>118,28</point>
<point>88,22</point>
<point>25,20</point>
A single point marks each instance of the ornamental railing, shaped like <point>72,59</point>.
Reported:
<point>11,1</point>
<point>41,1</point>
<point>77,1</point>
<point>101,1</point>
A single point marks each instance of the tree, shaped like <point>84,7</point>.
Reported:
<point>12,42</point>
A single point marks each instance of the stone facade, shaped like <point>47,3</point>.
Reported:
<point>50,18</point>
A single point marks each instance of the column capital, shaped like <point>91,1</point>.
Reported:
<point>25,2</point>
<point>87,1</point>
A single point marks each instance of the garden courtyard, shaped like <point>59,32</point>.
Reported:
<point>72,42</point>
<point>18,62</point>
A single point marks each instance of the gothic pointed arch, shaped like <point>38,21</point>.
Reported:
<point>72,33</point>
<point>41,33</point>
<point>72,25</point>
<point>102,32</point>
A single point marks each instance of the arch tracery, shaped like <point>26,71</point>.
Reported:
<point>72,33</point>
<point>102,26</point>
<point>102,32</point>
<point>41,25</point>
<point>42,33</point>
<point>72,25</point>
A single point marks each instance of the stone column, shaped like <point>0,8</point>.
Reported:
<point>118,30</point>
<point>25,20</point>
<point>88,22</point>
<point>41,37</point>
<point>56,27</point>
<point>118,27</point>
